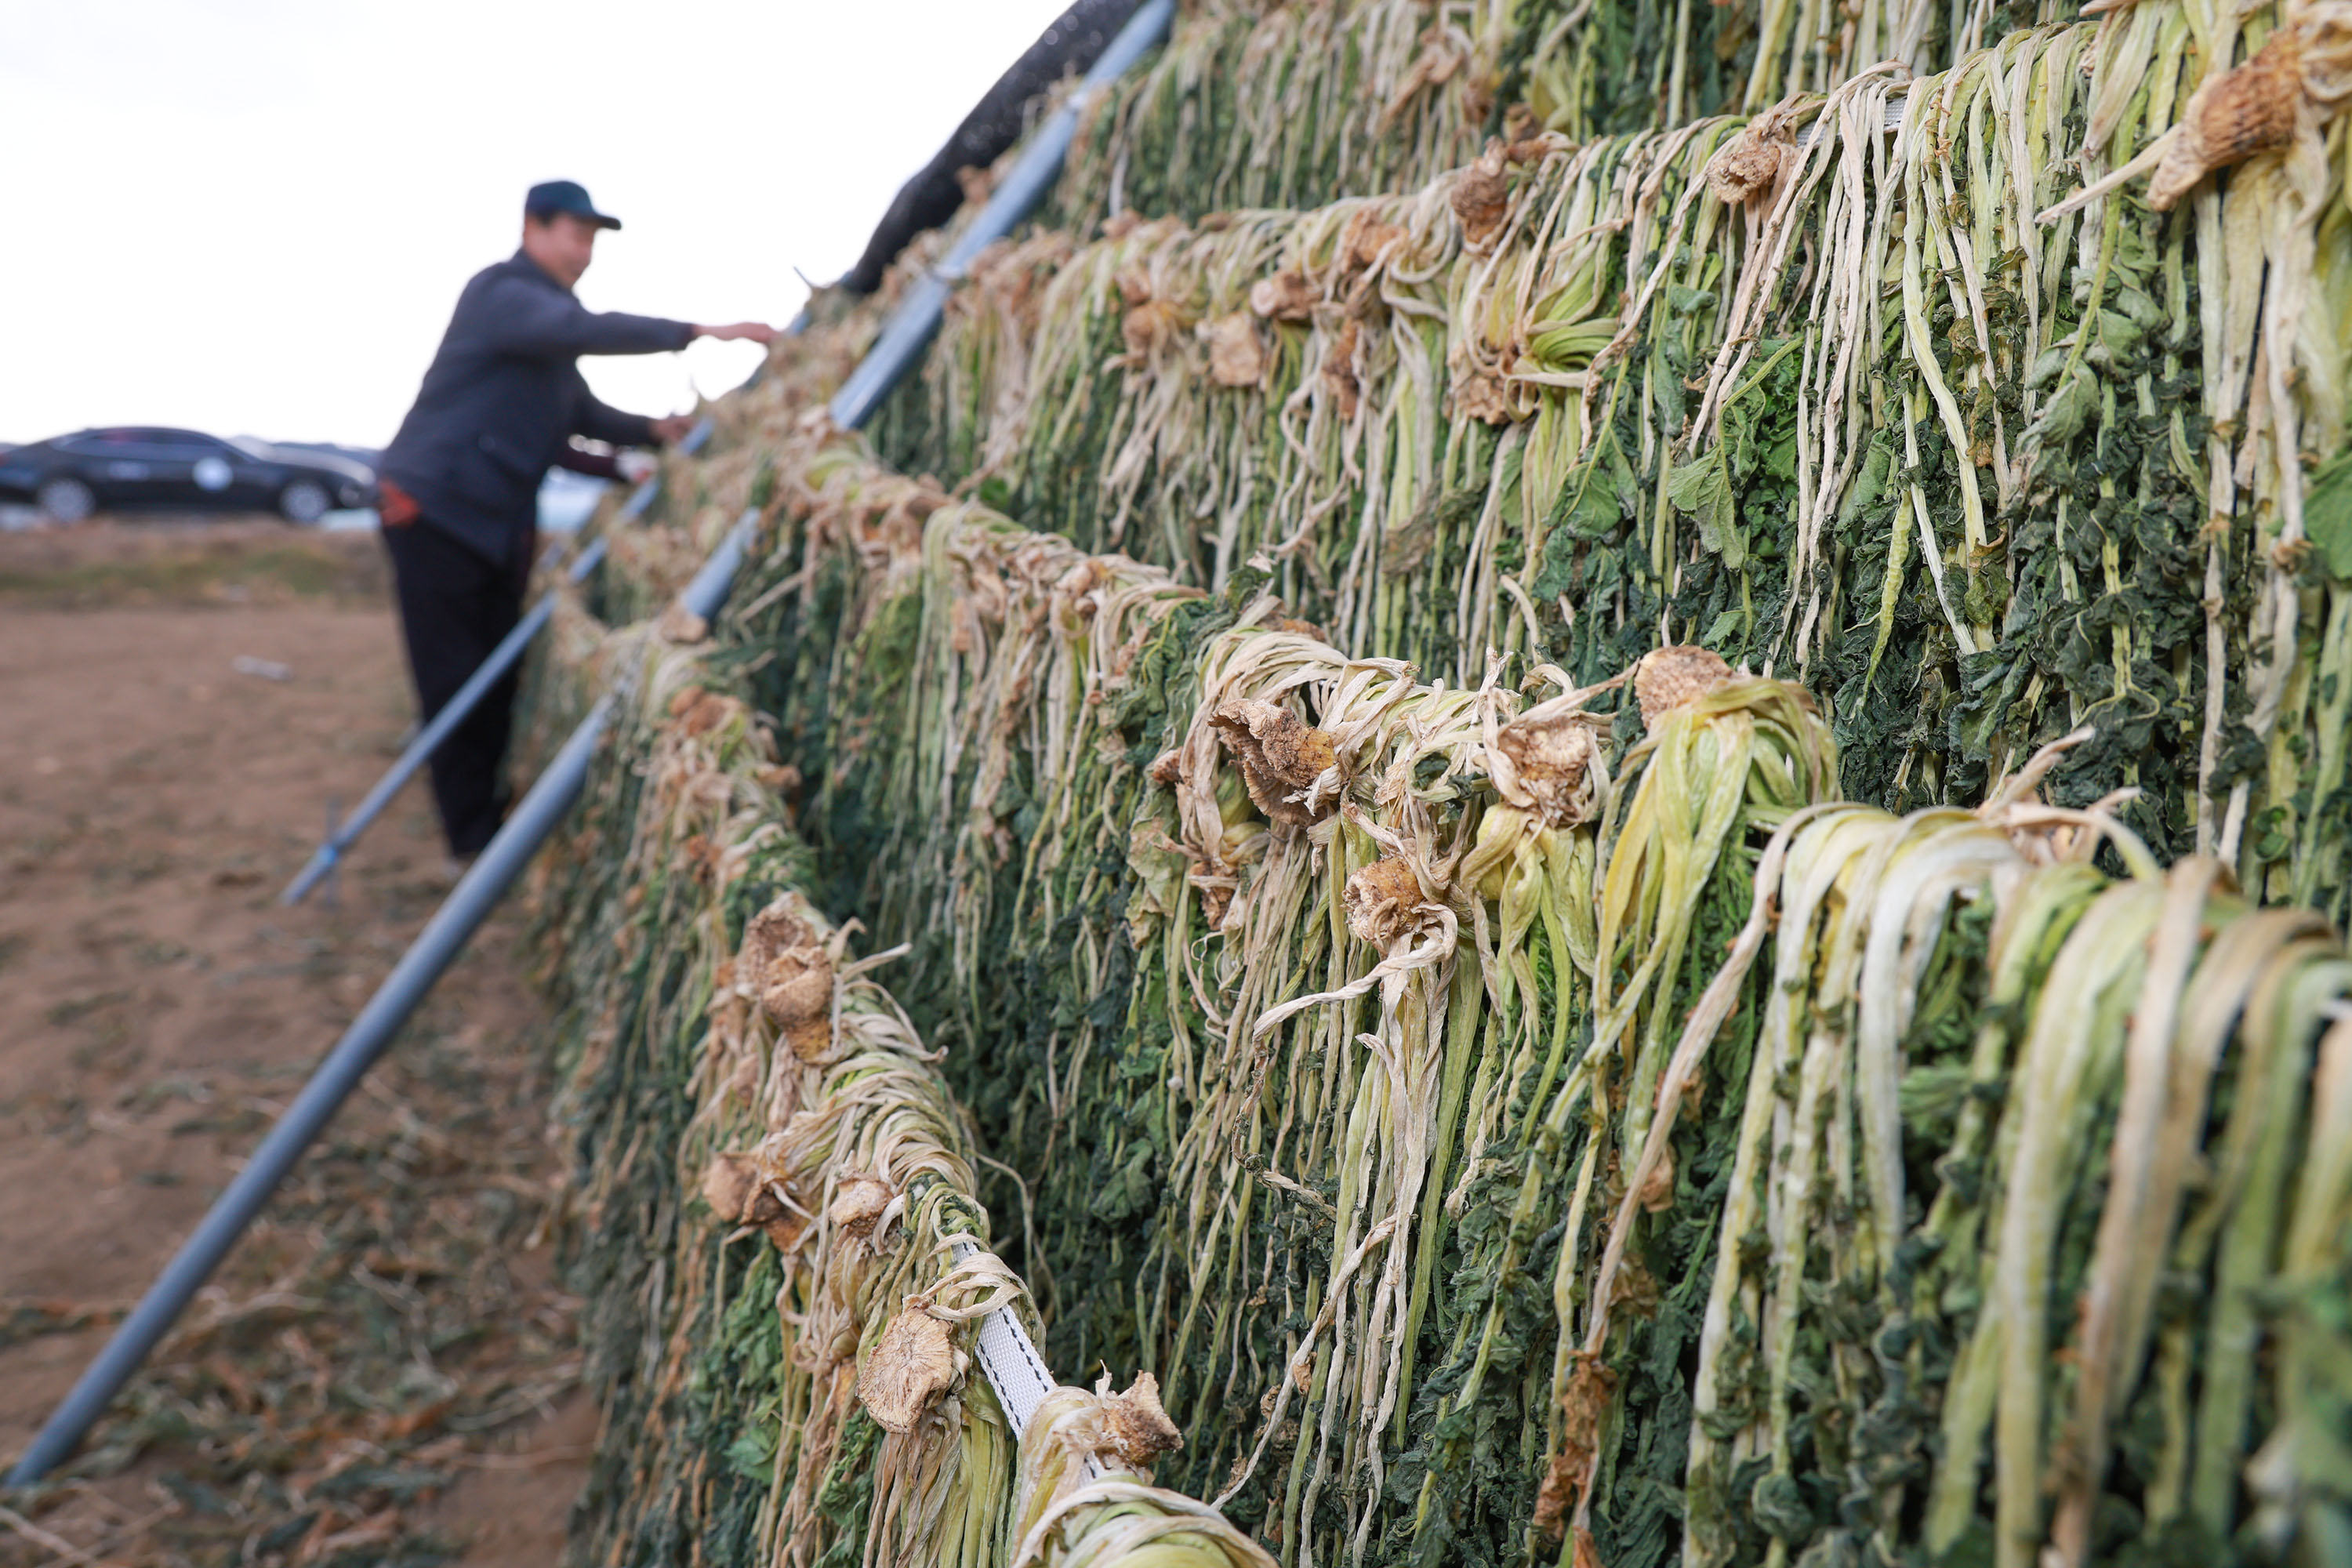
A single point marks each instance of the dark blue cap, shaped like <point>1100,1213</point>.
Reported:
<point>565,196</point>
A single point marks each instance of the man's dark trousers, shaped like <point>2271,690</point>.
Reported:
<point>456,605</point>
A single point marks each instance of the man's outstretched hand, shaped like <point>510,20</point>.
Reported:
<point>744,331</point>
<point>673,430</point>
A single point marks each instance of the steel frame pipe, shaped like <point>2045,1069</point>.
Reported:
<point>459,916</point>
<point>534,817</point>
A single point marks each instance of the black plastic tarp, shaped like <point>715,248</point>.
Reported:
<point>1070,46</point>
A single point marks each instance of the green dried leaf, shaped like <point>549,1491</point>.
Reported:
<point>2327,514</point>
<point>1702,489</point>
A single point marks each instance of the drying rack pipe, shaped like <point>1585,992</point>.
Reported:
<point>1017,1370</point>
<point>458,919</point>
<point>461,914</point>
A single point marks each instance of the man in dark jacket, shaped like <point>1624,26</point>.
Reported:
<point>461,481</point>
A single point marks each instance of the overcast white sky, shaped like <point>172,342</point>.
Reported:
<point>252,216</point>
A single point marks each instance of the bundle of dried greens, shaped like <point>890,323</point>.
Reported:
<point>1978,460</point>
<point>1343,911</point>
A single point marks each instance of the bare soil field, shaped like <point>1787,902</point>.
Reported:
<point>383,1372</point>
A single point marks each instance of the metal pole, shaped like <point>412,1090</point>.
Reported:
<point>443,935</point>
<point>467,697</point>
<point>534,817</point>
<point>334,883</point>
<point>708,590</point>
<point>428,957</point>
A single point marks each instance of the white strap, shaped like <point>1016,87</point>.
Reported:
<point>1014,1369</point>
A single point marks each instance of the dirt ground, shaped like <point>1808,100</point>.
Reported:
<point>385,1371</point>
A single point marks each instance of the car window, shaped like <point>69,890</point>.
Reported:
<point>151,443</point>
<point>154,436</point>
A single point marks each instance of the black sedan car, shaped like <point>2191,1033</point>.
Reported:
<point>138,466</point>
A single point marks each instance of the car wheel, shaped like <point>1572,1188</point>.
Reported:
<point>67,499</point>
<point>304,501</point>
